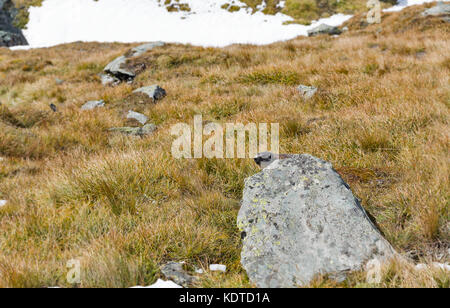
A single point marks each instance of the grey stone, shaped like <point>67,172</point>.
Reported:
<point>59,81</point>
<point>299,219</point>
<point>92,105</point>
<point>117,69</point>
<point>137,116</point>
<point>324,29</point>
<point>439,9</point>
<point>109,80</point>
<point>140,50</point>
<point>135,131</point>
<point>306,91</point>
<point>175,272</point>
<point>154,92</point>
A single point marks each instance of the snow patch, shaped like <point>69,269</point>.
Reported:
<point>160,284</point>
<point>127,21</point>
<point>207,24</point>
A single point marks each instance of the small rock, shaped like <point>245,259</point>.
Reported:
<point>53,107</point>
<point>160,284</point>
<point>3,203</point>
<point>155,92</point>
<point>137,116</point>
<point>421,54</point>
<point>324,29</point>
<point>59,81</point>
<point>93,104</point>
<point>299,219</point>
<point>109,80</point>
<point>218,267</point>
<point>199,271</point>
<point>307,92</point>
<point>136,131</point>
<point>175,272</point>
<point>148,129</point>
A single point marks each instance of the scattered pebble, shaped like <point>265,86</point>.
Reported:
<point>59,81</point>
<point>199,271</point>
<point>92,105</point>
<point>306,91</point>
<point>3,203</point>
<point>154,92</point>
<point>218,267</point>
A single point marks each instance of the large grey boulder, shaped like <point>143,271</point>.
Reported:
<point>324,29</point>
<point>299,219</point>
<point>9,34</point>
<point>154,92</point>
<point>439,9</point>
<point>118,69</point>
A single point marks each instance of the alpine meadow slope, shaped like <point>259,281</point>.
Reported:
<point>123,206</point>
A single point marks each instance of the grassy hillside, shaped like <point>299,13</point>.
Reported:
<point>123,205</point>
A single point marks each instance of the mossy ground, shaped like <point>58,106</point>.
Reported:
<point>123,205</point>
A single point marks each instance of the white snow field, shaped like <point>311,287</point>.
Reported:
<point>57,22</point>
<point>207,24</point>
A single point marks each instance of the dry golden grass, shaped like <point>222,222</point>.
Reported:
<point>123,205</point>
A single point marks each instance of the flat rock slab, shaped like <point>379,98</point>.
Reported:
<point>140,50</point>
<point>324,29</point>
<point>93,104</point>
<point>154,92</point>
<point>132,115</point>
<point>300,219</point>
<point>306,91</point>
<point>118,69</point>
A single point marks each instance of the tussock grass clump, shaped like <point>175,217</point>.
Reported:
<point>123,206</point>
